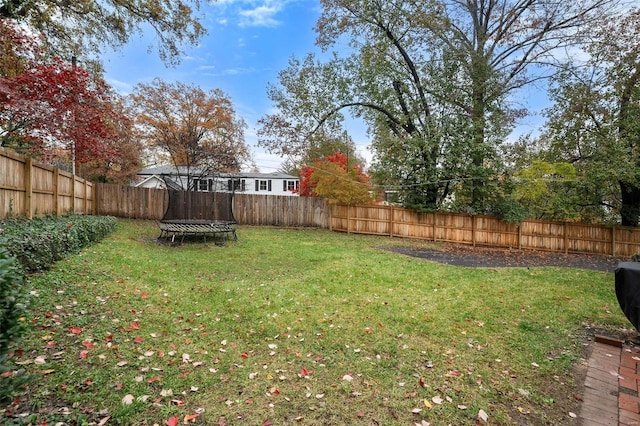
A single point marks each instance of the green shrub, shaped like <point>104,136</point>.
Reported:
<point>13,304</point>
<point>39,242</point>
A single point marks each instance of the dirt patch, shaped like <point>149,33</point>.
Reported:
<point>483,257</point>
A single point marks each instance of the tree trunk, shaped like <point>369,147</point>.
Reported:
<point>630,210</point>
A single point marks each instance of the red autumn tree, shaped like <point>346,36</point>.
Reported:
<point>333,178</point>
<point>53,111</point>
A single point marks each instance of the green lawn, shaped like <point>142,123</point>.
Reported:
<point>303,327</point>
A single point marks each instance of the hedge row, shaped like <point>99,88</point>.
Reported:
<point>31,246</point>
<point>39,242</point>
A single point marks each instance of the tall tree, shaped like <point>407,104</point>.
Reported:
<point>54,106</point>
<point>124,158</point>
<point>55,111</point>
<point>70,28</point>
<point>198,130</point>
<point>433,80</point>
<point>595,120</point>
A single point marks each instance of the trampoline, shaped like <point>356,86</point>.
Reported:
<point>198,214</point>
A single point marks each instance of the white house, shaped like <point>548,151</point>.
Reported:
<point>249,183</point>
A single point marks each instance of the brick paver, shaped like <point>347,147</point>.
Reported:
<point>611,386</point>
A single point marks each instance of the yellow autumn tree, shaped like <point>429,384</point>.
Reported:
<point>197,130</point>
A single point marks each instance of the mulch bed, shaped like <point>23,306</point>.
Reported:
<point>483,257</point>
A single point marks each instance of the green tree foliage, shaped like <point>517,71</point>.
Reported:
<point>71,28</point>
<point>548,191</point>
<point>433,81</point>
<point>595,121</point>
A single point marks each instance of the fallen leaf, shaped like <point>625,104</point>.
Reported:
<point>482,415</point>
<point>267,423</point>
<point>128,399</point>
<point>75,330</point>
<point>190,418</point>
<point>172,421</point>
<point>437,399</point>
<point>572,415</point>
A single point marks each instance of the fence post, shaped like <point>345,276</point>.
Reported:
<point>435,218</point>
<point>519,235</point>
<point>613,240</point>
<point>85,201</point>
<point>473,230</point>
<point>73,193</point>
<point>28,186</point>
<point>56,195</point>
<point>566,238</point>
<point>391,222</point>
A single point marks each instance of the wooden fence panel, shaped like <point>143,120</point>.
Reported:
<point>29,188</point>
<point>280,210</point>
<point>538,235</point>
<point>12,183</point>
<point>454,228</point>
<point>487,230</point>
<point>130,202</point>
<point>491,231</point>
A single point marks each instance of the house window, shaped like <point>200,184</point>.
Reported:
<point>236,185</point>
<point>263,185</point>
<point>204,184</point>
<point>290,185</point>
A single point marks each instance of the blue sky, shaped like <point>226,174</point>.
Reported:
<point>249,42</point>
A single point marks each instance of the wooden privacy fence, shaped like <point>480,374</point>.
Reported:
<point>29,188</point>
<point>564,237</point>
<point>248,209</point>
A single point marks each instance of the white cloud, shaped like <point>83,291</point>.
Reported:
<point>123,88</point>
<point>231,72</point>
<point>252,13</point>
<point>261,16</point>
